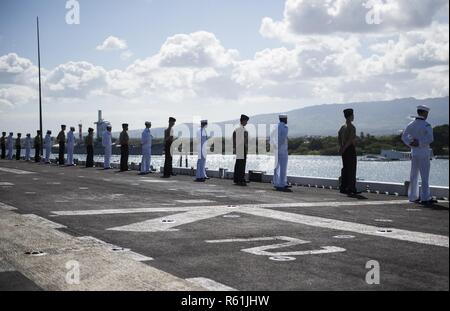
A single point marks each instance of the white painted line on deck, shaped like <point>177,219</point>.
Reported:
<point>326,223</point>
<point>197,213</point>
<point>157,224</point>
<point>15,171</point>
<point>6,184</point>
<point>194,201</point>
<point>211,284</point>
<point>157,181</point>
<point>288,242</point>
<point>118,211</point>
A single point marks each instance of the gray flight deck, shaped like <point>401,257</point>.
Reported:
<point>130,232</point>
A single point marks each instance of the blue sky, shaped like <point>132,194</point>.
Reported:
<point>141,60</point>
<point>145,24</point>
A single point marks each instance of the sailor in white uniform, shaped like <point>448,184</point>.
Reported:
<point>419,135</point>
<point>28,143</point>
<point>48,143</point>
<point>146,142</point>
<point>280,142</point>
<point>10,146</point>
<point>70,146</point>
<point>202,139</point>
<point>107,144</point>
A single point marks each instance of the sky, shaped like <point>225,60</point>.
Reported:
<point>140,60</point>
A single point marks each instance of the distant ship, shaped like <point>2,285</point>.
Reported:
<point>390,155</point>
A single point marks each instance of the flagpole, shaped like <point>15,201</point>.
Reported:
<point>40,94</point>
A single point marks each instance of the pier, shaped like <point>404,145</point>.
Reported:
<point>72,228</point>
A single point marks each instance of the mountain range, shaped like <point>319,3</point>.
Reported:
<point>375,118</point>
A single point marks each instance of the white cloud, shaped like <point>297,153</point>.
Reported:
<point>15,69</point>
<point>198,49</point>
<point>195,74</point>
<point>321,17</point>
<point>112,43</point>
<point>75,79</point>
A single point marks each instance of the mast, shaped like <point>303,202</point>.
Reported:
<point>40,92</point>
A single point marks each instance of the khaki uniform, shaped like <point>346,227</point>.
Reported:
<point>347,134</point>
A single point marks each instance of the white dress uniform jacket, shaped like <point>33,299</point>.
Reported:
<point>280,136</point>
<point>70,147</point>
<point>48,147</point>
<point>419,130</point>
<point>202,139</point>
<point>107,144</point>
<point>28,148</point>
<point>146,141</point>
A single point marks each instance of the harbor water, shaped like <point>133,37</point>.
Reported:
<point>311,166</point>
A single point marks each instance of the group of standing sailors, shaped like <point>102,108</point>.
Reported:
<point>418,135</point>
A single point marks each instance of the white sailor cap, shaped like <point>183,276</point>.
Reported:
<point>423,108</point>
<point>283,116</point>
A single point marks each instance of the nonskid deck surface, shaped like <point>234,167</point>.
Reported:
<point>124,231</point>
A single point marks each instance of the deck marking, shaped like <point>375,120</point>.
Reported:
<point>15,171</point>
<point>289,242</point>
<point>157,181</point>
<point>194,201</point>
<point>118,211</point>
<point>3,183</point>
<point>188,208</point>
<point>196,213</point>
<point>157,224</point>
<point>211,285</point>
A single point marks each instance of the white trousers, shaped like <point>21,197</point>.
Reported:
<point>10,153</point>
<point>146,159</point>
<point>201,169</point>
<point>280,172</point>
<point>27,154</point>
<point>107,161</point>
<point>48,151</point>
<point>420,163</point>
<point>70,155</point>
